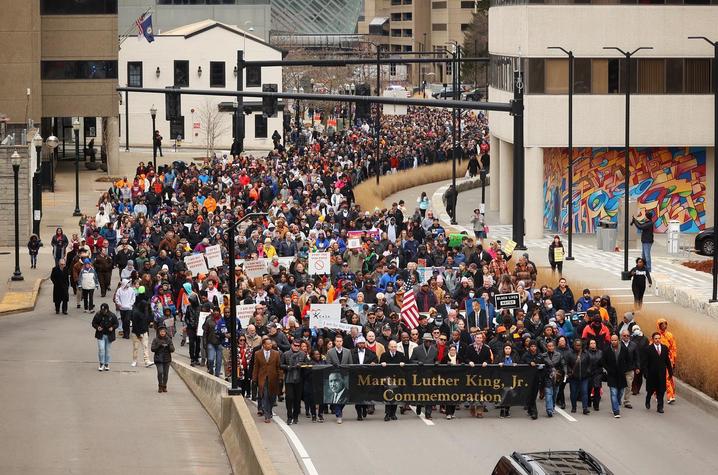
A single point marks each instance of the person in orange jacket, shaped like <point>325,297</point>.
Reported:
<point>668,340</point>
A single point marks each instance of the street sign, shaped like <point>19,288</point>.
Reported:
<point>507,301</point>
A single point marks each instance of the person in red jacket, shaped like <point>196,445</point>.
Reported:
<point>596,330</point>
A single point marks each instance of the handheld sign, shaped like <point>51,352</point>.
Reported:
<point>321,315</point>
<point>255,268</point>
<point>196,264</point>
<point>507,301</point>
<point>509,247</point>
<point>319,263</point>
<point>214,256</point>
<point>245,312</point>
<point>558,254</point>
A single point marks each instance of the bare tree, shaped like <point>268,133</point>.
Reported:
<point>212,125</point>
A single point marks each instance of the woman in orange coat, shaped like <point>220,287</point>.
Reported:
<point>668,340</point>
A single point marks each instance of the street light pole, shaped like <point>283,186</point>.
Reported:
<point>519,180</point>
<point>626,157</point>
<point>37,186</point>
<point>15,159</point>
<point>76,129</point>
<point>714,294</point>
<point>153,114</point>
<point>231,231</point>
<point>378,113</point>
<point>569,257</point>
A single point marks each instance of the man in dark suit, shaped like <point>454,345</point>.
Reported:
<point>362,355</point>
<point>616,361</point>
<point>281,310</point>
<point>479,354</point>
<point>425,354</point>
<point>335,357</point>
<point>391,356</point>
<point>265,374</point>
<point>655,364</point>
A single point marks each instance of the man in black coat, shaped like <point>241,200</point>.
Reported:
<point>60,278</point>
<point>362,355</point>
<point>426,353</point>
<point>391,356</point>
<point>616,361</point>
<point>655,364</point>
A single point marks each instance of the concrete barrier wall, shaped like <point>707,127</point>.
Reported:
<point>234,420</point>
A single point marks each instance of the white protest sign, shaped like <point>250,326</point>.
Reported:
<point>244,313</point>
<point>322,314</point>
<point>214,256</point>
<point>286,261</point>
<point>202,317</point>
<point>255,268</point>
<point>319,263</point>
<point>196,264</point>
<point>345,327</point>
<point>354,243</point>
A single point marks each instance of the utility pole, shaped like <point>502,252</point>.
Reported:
<point>519,168</point>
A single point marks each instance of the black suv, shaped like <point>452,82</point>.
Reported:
<point>578,462</point>
<point>704,242</point>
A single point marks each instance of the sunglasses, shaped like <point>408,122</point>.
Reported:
<point>442,339</point>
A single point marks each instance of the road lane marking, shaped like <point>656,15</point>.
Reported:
<point>422,416</point>
<point>565,414</point>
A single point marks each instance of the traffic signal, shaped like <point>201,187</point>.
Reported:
<point>173,104</point>
<point>363,109</point>
<point>269,104</point>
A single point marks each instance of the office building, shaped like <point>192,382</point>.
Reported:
<point>188,57</point>
<point>418,25</point>
<point>672,151</point>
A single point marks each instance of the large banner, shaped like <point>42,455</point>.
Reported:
<point>442,384</point>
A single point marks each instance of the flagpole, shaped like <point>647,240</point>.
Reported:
<point>126,34</point>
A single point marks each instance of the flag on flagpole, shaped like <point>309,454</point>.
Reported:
<point>144,28</point>
<point>409,309</point>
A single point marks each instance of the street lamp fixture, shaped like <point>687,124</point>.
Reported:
<point>76,129</point>
<point>157,72</point>
<point>626,159</point>
<point>571,58</point>
<point>199,71</point>
<point>15,161</point>
<point>153,114</point>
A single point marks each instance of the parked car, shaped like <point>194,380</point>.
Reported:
<point>475,95</point>
<point>447,93</point>
<point>704,242</point>
<point>575,462</point>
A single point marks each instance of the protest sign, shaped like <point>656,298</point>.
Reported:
<point>321,314</point>
<point>456,239</point>
<point>509,247</point>
<point>196,264</point>
<point>507,301</point>
<point>354,243</point>
<point>202,317</point>
<point>319,263</point>
<point>255,268</point>
<point>558,254</point>
<point>245,312</point>
<point>214,256</point>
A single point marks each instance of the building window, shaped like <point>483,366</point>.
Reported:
<point>556,81</point>
<point>438,27</point>
<point>407,33</point>
<point>438,5</point>
<point>260,126</point>
<point>177,129</point>
<point>674,75</point>
<point>407,48</point>
<point>392,69</point>
<point>536,76</point>
<point>396,32</point>
<point>181,71</point>
<point>613,76</point>
<point>51,70</point>
<point>134,74</point>
<point>651,76</point>
<point>582,75</point>
<point>75,7</point>
<point>465,27</point>
<point>396,17</point>
<point>406,16</point>
<point>698,75</point>
<point>396,2</point>
<point>254,76</point>
<point>216,74</point>
<point>469,4</point>
<point>407,2</point>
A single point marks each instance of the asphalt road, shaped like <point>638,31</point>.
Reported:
<point>59,415</point>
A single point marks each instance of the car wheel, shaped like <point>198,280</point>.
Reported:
<point>707,247</point>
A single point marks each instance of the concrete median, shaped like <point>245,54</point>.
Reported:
<point>241,438</point>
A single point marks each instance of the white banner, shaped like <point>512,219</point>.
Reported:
<point>196,264</point>
<point>255,268</point>
<point>319,263</point>
<point>345,327</point>
<point>214,256</point>
<point>322,314</point>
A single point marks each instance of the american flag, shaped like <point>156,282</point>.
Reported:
<point>409,310</point>
<point>138,23</point>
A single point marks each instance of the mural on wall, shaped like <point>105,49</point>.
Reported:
<point>671,181</point>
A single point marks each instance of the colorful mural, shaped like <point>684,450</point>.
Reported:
<point>671,181</point>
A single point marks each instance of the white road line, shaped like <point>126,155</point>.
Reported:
<point>565,414</point>
<point>296,443</point>
<point>422,417</point>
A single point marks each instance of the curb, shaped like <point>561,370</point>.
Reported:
<point>25,307</point>
<point>696,397</point>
